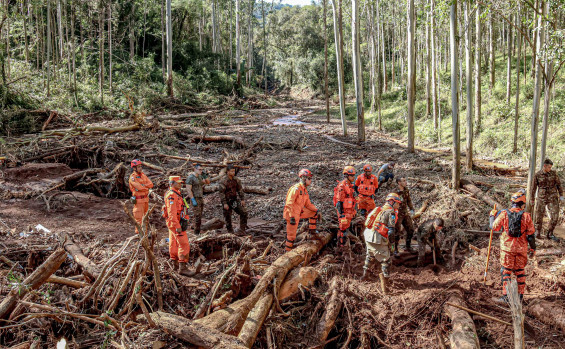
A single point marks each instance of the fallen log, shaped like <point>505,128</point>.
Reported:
<point>255,320</point>
<point>329,316</point>
<point>89,268</point>
<point>340,142</point>
<point>90,129</point>
<point>68,282</point>
<point>252,189</point>
<point>193,333</point>
<point>550,252</point>
<point>153,167</point>
<point>517,315</point>
<point>214,223</point>
<point>549,313</point>
<point>223,138</point>
<point>478,193</point>
<point>230,320</point>
<point>32,282</point>
<point>304,276</point>
<point>464,333</point>
<point>421,210</point>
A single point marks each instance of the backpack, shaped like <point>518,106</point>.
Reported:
<point>335,193</point>
<point>514,223</point>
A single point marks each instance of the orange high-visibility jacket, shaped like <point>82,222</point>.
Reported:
<point>174,205</point>
<point>297,198</point>
<point>509,243</point>
<point>139,184</point>
<point>367,186</point>
<point>345,194</point>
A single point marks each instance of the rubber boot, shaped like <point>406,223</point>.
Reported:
<point>550,236</point>
<point>183,270</point>
<point>175,264</point>
<point>539,235</point>
<point>408,248</point>
<point>395,249</point>
<point>384,283</point>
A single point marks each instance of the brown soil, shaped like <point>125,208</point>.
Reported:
<point>411,317</point>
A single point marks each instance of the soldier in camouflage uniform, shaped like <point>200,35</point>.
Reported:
<point>549,192</point>
<point>404,216</point>
<point>426,235</point>
<point>195,189</point>
<point>233,199</point>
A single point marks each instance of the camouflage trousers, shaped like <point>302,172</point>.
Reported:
<point>552,207</point>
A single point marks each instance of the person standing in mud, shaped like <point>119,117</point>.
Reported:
<point>366,185</point>
<point>195,189</point>
<point>427,235</point>
<point>549,193</point>
<point>344,201</point>
<point>233,199</point>
<point>379,230</point>
<point>139,184</point>
<point>404,216</point>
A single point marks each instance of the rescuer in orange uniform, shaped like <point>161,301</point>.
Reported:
<point>344,201</point>
<point>298,206</point>
<point>518,233</point>
<point>177,222</point>
<point>366,185</point>
<point>139,185</point>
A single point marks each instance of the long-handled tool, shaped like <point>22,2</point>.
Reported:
<point>434,250</point>
<point>488,257</point>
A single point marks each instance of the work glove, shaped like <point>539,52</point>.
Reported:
<point>292,221</point>
<point>205,175</point>
<point>531,253</point>
<point>193,201</point>
<point>178,230</point>
<point>343,220</point>
<point>493,213</point>
<point>562,198</point>
<point>411,212</point>
<point>373,196</point>
<point>133,200</point>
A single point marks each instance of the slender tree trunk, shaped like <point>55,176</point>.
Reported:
<point>478,37</point>
<point>546,100</point>
<point>326,92</point>
<point>434,64</point>
<point>26,15</point>
<point>101,52</point>
<point>60,28</point>
<point>263,70</point>
<point>339,60</point>
<point>535,37</point>
<point>453,43</point>
<point>48,39</point>
<point>214,38</point>
<point>383,54</point>
<point>163,39</point>
<point>131,34</point>
<point>536,102</point>
<point>237,46</point>
<point>517,94</point>
<point>231,36</point>
<point>372,56</point>
<point>73,54</point>
<point>250,43</point>
<point>428,66</point>
<point>509,63</point>
<point>144,29</point>
<point>491,51</point>
<point>469,81</point>
<point>411,79</point>
<point>110,46</point>
<point>168,25</point>
<point>357,74</point>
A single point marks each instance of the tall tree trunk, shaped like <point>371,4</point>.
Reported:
<point>536,102</point>
<point>163,39</point>
<point>491,51</point>
<point>383,54</point>
<point>478,37</point>
<point>427,60</point>
<point>263,70</point>
<point>357,73</point>
<point>326,92</point>
<point>339,60</point>
<point>131,33</point>
<point>411,79</point>
<point>73,53</point>
<point>372,55</point>
<point>454,44</point>
<point>517,104</point>
<point>214,38</point>
<point>237,46</point>
<point>231,36</point>
<point>434,63</point>
<point>378,38</point>
<point>535,37</point>
<point>110,46</point>
<point>48,39</point>
<point>101,52</point>
<point>546,97</point>
<point>509,63</point>
<point>169,28</point>
<point>60,28</point>
<point>250,43</point>
<point>26,15</point>
<point>469,81</point>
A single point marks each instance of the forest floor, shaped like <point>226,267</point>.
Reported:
<point>275,143</point>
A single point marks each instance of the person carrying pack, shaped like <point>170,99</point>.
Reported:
<point>344,202</point>
<point>518,233</point>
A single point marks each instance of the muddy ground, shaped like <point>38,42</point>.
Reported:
<point>286,138</point>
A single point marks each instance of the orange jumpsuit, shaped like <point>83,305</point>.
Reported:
<point>366,186</point>
<point>514,250</point>
<point>299,206</point>
<point>345,194</point>
<point>179,248</point>
<point>139,184</point>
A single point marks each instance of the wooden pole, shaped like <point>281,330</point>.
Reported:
<point>517,315</point>
<point>488,257</point>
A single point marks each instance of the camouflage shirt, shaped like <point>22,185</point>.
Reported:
<point>230,189</point>
<point>426,231</point>
<point>406,202</point>
<point>197,183</point>
<point>547,185</point>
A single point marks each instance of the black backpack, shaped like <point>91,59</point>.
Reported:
<point>514,223</point>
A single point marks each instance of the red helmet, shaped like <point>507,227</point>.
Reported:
<point>394,197</point>
<point>135,162</point>
<point>518,197</point>
<point>368,168</point>
<point>305,173</point>
<point>349,170</point>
